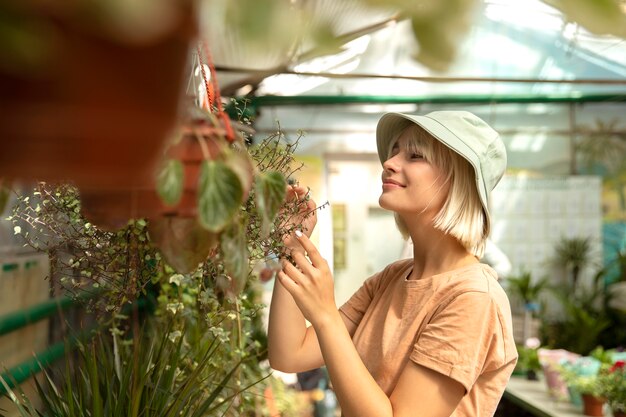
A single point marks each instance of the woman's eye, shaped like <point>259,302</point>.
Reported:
<point>417,156</point>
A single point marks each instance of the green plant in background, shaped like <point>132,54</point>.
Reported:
<point>588,319</point>
<point>528,361</point>
<point>613,382</point>
<point>574,254</point>
<point>523,287</point>
<point>584,384</point>
<point>527,291</point>
<point>585,319</point>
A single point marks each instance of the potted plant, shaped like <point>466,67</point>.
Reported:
<point>613,383</point>
<point>91,89</point>
<point>528,361</point>
<point>590,389</point>
<point>527,291</point>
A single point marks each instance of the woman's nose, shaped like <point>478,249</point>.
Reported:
<point>391,164</point>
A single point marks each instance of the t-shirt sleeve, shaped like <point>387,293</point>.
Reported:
<point>463,339</point>
<point>354,309</point>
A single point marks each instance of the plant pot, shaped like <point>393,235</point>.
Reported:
<point>574,396</point>
<point>531,375</point>
<point>98,108</point>
<point>111,208</point>
<point>550,360</point>
<point>593,406</point>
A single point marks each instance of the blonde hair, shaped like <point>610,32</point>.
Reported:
<point>462,214</point>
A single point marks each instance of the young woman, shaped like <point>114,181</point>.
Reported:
<point>427,336</point>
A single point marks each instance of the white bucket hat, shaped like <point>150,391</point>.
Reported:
<point>461,131</point>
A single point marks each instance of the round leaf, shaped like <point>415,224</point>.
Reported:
<point>219,196</point>
<point>170,182</point>
<point>182,242</point>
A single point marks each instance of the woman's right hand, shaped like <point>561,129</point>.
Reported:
<point>306,218</point>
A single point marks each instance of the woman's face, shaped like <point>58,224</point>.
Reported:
<point>411,184</point>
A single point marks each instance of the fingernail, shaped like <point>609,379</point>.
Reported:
<point>298,233</point>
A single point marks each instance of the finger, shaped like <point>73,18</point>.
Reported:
<point>310,249</point>
<point>292,272</point>
<point>303,263</point>
<point>296,192</point>
<point>287,282</point>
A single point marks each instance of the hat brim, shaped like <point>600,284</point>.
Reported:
<point>391,125</point>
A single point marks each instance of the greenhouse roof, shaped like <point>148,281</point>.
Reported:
<point>525,50</point>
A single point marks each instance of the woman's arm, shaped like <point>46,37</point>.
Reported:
<point>292,346</point>
<point>419,392</point>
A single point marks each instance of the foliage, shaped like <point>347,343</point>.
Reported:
<point>84,259</point>
<point>217,300</point>
<point>582,382</point>
<point>580,330</point>
<point>528,359</point>
<point>523,287</point>
<point>156,373</point>
<point>589,320</point>
<point>602,355</point>
<point>574,254</point>
<point>590,385</point>
<point>292,29</point>
<point>613,382</point>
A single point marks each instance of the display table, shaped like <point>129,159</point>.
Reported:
<point>533,397</point>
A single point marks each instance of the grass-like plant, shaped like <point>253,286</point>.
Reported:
<point>156,373</point>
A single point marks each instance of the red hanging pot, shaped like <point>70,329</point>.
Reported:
<point>97,109</point>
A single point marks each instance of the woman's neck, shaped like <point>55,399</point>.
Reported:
<point>435,252</point>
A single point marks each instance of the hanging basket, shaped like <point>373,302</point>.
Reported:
<point>111,208</point>
<point>97,109</point>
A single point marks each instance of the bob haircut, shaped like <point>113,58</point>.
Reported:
<point>462,214</point>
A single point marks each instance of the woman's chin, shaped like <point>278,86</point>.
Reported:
<point>384,203</point>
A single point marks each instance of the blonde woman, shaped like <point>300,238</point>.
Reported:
<point>427,336</point>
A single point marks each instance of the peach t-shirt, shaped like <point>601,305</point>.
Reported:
<point>457,323</point>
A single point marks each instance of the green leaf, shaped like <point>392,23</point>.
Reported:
<point>170,182</point>
<point>183,242</point>
<point>239,161</point>
<point>270,190</point>
<point>235,253</point>
<point>219,196</point>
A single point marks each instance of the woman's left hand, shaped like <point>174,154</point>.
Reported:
<point>310,283</point>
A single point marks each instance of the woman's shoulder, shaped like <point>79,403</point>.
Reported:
<point>391,273</point>
<point>478,279</point>
<point>398,268</point>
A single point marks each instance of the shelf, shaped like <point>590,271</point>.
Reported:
<point>533,397</point>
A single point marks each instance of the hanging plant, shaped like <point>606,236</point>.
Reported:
<point>91,89</point>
